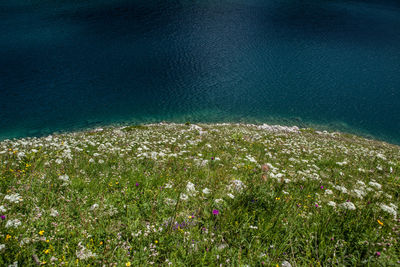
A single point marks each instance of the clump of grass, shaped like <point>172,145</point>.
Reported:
<point>199,195</point>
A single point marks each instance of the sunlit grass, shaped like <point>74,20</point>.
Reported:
<point>199,195</point>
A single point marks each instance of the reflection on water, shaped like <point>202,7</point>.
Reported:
<point>69,65</point>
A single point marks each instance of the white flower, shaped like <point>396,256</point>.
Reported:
<point>64,178</point>
<point>184,197</point>
<point>328,192</point>
<point>376,185</point>
<point>91,160</point>
<point>332,204</point>
<point>230,195</point>
<point>59,161</point>
<point>168,185</point>
<point>341,189</point>
<point>389,209</point>
<point>218,200</point>
<point>361,183</point>
<point>2,209</point>
<point>237,185</point>
<point>13,223</point>
<point>191,189</point>
<point>206,191</point>
<point>84,253</point>
<point>54,213</point>
<point>341,163</point>
<point>251,159</point>
<point>94,206</point>
<point>359,193</point>
<point>253,227</point>
<point>14,198</point>
<point>348,206</point>
<point>2,246</point>
<point>101,161</point>
<point>286,264</point>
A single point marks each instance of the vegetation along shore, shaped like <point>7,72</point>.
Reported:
<point>206,194</point>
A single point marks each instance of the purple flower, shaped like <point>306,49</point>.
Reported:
<point>137,184</point>
<point>212,158</point>
<point>378,253</point>
<point>316,205</point>
<point>215,212</point>
<point>322,187</point>
<point>3,217</point>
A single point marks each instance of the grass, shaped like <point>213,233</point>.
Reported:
<point>184,195</point>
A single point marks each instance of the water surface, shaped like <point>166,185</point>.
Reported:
<point>67,65</point>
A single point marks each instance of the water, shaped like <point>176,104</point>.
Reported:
<point>67,65</point>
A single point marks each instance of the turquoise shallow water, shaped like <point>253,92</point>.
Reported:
<point>68,65</point>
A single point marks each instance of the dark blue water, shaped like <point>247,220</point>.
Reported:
<point>67,65</point>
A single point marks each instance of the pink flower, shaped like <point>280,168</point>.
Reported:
<point>215,212</point>
<point>378,253</point>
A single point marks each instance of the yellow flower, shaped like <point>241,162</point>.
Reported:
<point>8,237</point>
<point>47,251</point>
<point>381,223</point>
<point>156,241</point>
<point>41,232</point>
<point>277,198</point>
<point>128,263</point>
<point>101,242</point>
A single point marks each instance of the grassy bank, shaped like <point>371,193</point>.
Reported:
<point>199,195</point>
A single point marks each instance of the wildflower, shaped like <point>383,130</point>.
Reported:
<point>381,223</point>
<point>218,200</point>
<point>8,237</point>
<point>156,241</point>
<point>206,191</point>
<point>332,204</point>
<point>2,209</point>
<point>348,206</point>
<point>14,198</point>
<point>3,217</point>
<point>128,263</point>
<point>184,197</point>
<point>237,185</point>
<point>215,212</point>
<point>376,185</point>
<point>2,246</point>
<point>378,253</point>
<point>389,209</point>
<point>41,232</point>
<point>47,251</point>
<point>328,192</point>
<point>13,223</point>
<point>53,213</point>
<point>64,178</point>
<point>286,264</point>
<point>231,196</point>
<point>137,184</point>
<point>191,189</point>
<point>84,253</point>
<point>94,206</point>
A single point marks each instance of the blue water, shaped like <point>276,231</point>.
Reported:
<point>67,65</point>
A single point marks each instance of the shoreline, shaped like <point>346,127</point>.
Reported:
<point>274,128</point>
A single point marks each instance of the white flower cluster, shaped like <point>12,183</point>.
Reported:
<point>14,198</point>
<point>13,223</point>
<point>84,253</point>
<point>392,209</point>
<point>348,206</point>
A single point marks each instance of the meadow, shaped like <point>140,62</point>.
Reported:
<point>206,194</point>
